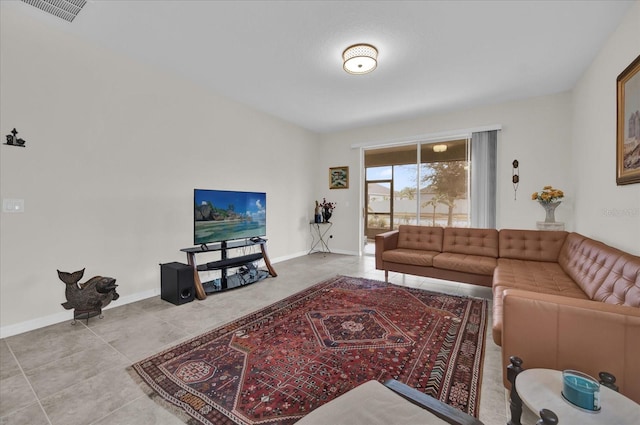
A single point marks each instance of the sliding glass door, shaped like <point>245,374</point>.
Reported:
<point>379,207</point>
<point>444,183</point>
<point>420,183</point>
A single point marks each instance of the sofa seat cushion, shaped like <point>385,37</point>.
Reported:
<point>536,276</point>
<point>414,257</point>
<point>475,264</point>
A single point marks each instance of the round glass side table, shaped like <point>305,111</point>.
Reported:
<point>542,389</point>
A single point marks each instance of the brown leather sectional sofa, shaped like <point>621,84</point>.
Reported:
<point>560,300</point>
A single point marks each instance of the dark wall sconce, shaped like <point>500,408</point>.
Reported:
<point>515,178</point>
<point>12,140</point>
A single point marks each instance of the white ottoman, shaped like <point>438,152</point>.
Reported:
<point>373,403</point>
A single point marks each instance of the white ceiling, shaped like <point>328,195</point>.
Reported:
<point>284,57</point>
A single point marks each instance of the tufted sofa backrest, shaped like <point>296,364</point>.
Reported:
<point>420,237</point>
<point>462,240</point>
<point>531,246</point>
<point>604,273</point>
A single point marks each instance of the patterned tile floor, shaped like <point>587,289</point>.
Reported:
<point>75,375</point>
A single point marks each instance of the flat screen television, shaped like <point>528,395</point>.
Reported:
<point>224,215</point>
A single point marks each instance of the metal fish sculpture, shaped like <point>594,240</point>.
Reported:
<point>88,298</point>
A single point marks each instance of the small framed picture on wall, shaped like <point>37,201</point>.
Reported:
<point>339,178</point>
<point>628,125</point>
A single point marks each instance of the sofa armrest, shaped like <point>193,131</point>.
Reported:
<point>385,241</point>
<point>556,332</point>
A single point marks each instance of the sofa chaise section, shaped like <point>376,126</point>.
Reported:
<point>581,312</point>
<point>528,260</point>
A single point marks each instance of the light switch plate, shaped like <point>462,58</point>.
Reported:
<point>13,205</point>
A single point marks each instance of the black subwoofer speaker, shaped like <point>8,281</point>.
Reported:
<point>176,280</point>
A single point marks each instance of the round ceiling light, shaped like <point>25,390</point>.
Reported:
<point>360,59</point>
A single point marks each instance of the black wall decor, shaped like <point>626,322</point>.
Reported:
<point>515,178</point>
<point>13,140</point>
<point>89,298</point>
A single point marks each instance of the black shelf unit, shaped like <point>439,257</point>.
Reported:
<point>248,273</point>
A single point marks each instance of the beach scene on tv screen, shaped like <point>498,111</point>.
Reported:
<point>226,215</point>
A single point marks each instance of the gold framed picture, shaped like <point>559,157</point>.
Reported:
<point>339,177</point>
<point>628,125</point>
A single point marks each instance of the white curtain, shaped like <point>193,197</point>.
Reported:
<point>484,148</point>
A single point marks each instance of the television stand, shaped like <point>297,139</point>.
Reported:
<point>247,273</point>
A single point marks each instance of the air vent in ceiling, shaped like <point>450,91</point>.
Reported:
<point>65,9</point>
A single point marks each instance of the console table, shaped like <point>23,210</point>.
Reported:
<point>319,242</point>
<point>542,225</point>
<point>225,262</point>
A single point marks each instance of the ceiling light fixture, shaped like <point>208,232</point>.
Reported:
<point>439,148</point>
<point>64,9</point>
<point>360,59</point>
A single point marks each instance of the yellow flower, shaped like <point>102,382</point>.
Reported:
<point>547,195</point>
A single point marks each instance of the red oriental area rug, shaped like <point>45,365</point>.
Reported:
<point>281,362</point>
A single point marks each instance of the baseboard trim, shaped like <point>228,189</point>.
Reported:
<point>288,257</point>
<point>67,315</point>
<point>303,253</point>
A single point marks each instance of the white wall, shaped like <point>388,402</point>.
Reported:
<point>603,210</point>
<point>114,151</point>
<point>535,131</point>
<point>565,140</point>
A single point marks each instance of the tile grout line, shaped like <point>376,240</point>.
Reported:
<point>119,408</point>
<point>28,383</point>
<point>496,413</point>
<point>53,394</point>
<point>106,342</point>
<point>131,361</point>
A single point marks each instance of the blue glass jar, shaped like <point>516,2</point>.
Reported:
<point>581,390</point>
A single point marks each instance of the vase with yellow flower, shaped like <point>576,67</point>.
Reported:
<point>548,197</point>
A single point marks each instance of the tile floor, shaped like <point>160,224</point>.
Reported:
<point>65,374</point>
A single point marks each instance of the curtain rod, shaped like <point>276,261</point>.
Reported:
<point>429,137</point>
